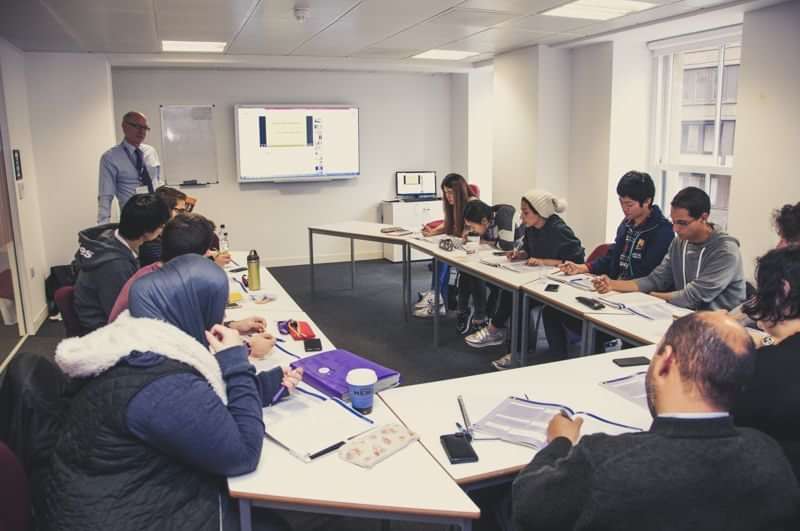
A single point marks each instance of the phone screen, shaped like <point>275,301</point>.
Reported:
<point>551,287</point>
<point>312,345</point>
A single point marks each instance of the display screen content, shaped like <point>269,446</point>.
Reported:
<point>296,142</point>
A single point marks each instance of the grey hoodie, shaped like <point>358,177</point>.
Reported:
<point>704,276</point>
<point>105,263</point>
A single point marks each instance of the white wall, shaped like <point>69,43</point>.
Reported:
<point>767,144</point>
<point>630,122</point>
<point>459,125</point>
<point>590,133</point>
<point>516,97</point>
<point>24,196</point>
<point>555,89</point>
<point>480,130</point>
<point>405,123</point>
<point>72,117</point>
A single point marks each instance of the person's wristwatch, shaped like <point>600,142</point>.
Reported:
<point>767,341</point>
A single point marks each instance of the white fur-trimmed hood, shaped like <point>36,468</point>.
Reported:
<point>95,353</point>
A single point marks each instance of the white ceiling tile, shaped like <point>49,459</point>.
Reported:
<point>30,26</point>
<point>419,9</point>
<point>114,26</point>
<point>472,17</point>
<point>429,35</point>
<point>201,20</point>
<point>517,7</point>
<point>641,17</point>
<point>496,40</point>
<point>273,29</point>
<point>386,53</point>
<point>545,23</point>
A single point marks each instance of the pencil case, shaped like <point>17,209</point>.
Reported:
<point>297,329</point>
<point>372,447</point>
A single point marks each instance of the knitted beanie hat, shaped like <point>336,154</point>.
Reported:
<point>545,203</point>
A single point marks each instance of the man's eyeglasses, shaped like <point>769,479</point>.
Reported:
<point>137,126</point>
<point>683,222</point>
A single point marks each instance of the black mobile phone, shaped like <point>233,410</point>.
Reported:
<point>499,253</point>
<point>591,303</point>
<point>312,345</point>
<point>551,287</point>
<point>458,448</point>
<point>237,270</point>
<point>631,362</point>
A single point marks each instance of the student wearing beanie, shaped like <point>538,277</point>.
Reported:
<point>548,241</point>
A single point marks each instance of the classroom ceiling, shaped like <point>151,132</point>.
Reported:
<point>386,30</point>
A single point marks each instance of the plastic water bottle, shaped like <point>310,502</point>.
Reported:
<point>253,271</point>
<point>224,243</point>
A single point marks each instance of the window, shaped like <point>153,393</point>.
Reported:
<point>694,116</point>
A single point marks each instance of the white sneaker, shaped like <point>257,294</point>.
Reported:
<point>427,311</point>
<point>485,338</point>
<point>426,300</point>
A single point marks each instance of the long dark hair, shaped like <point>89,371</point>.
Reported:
<point>454,214</point>
<point>773,302</point>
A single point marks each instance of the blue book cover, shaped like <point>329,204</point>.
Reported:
<point>327,372</point>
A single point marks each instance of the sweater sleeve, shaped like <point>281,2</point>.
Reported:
<point>182,416</point>
<point>660,278</point>
<point>548,493</point>
<point>570,247</point>
<point>268,384</point>
<point>114,278</point>
<point>717,273</point>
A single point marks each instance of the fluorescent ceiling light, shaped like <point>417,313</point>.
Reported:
<point>445,55</point>
<point>598,9</point>
<point>192,46</point>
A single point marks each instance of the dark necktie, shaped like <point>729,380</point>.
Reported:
<point>141,170</point>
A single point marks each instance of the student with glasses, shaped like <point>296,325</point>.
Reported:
<point>703,267</point>
<point>131,167</point>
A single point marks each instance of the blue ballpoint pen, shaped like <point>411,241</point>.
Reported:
<point>278,394</point>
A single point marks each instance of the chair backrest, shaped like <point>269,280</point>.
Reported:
<point>65,299</point>
<point>15,501</point>
<point>599,252</point>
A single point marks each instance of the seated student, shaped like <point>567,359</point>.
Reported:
<point>107,257</point>
<point>175,200</point>
<point>547,241</point>
<point>703,267</point>
<point>786,221</point>
<point>496,225</point>
<point>771,401</point>
<point>455,195</point>
<point>192,234</point>
<point>642,240</point>
<point>168,408</point>
<point>692,470</point>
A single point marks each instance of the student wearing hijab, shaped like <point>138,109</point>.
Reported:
<point>168,408</point>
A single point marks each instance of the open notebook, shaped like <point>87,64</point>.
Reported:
<point>310,425</point>
<point>523,421</point>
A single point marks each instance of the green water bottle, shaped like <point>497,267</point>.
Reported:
<point>253,271</point>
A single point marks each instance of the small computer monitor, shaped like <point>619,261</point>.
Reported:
<point>415,184</point>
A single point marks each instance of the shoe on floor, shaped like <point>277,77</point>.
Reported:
<point>504,363</point>
<point>427,311</point>
<point>474,326</point>
<point>464,321</point>
<point>426,299</point>
<point>485,338</point>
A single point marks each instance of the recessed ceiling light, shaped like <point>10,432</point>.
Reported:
<point>598,9</point>
<point>192,46</point>
<point>445,55</point>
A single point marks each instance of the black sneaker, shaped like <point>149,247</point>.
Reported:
<point>464,321</point>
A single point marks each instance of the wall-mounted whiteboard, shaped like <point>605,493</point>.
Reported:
<point>188,144</point>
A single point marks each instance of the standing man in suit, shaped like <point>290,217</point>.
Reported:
<point>131,167</point>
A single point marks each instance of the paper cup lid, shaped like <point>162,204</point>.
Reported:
<point>362,377</point>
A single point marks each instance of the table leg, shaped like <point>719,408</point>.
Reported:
<point>585,333</point>
<point>352,264</point>
<point>523,347</point>
<point>311,257</point>
<point>436,302</point>
<point>406,280</point>
<point>515,327</point>
<point>409,306</point>
<point>245,520</point>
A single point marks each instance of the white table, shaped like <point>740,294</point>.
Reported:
<point>431,409</point>
<point>470,264</point>
<point>368,231</point>
<point>408,486</point>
